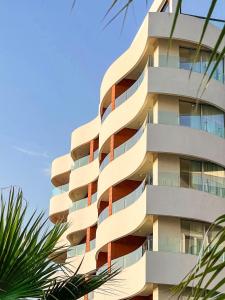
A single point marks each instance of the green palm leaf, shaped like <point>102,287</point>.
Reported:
<point>204,276</point>
<point>25,246</point>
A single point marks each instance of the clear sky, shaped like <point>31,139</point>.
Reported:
<point>52,61</point>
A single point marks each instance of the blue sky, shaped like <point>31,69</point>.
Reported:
<point>51,65</point>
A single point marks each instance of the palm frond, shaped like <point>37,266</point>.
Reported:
<point>177,11</point>
<point>75,286</point>
<point>207,20</point>
<point>25,246</point>
<point>204,277</point>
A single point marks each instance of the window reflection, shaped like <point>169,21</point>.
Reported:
<point>202,116</point>
<point>194,235</point>
<point>199,64</point>
<point>203,176</point>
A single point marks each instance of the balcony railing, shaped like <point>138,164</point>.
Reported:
<point>82,203</point>
<point>170,61</point>
<point>76,250</point>
<point>124,96</point>
<point>125,146</point>
<point>214,185</point>
<point>123,202</point>
<point>60,189</point>
<point>83,161</point>
<point>196,122</point>
<point>92,244</point>
<point>128,260</point>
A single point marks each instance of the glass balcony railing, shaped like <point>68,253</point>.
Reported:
<point>170,61</point>
<point>129,199</point>
<point>92,244</point>
<point>105,162</point>
<point>129,143</point>
<point>125,146</point>
<point>94,198</point>
<point>79,204</point>
<point>106,113</point>
<point>211,125</point>
<point>83,161</point>
<point>125,96</point>
<point>82,203</point>
<point>103,215</point>
<point>76,250</point>
<point>214,185</point>
<point>128,93</point>
<point>123,202</point>
<point>60,189</point>
<point>96,154</point>
<point>129,259</point>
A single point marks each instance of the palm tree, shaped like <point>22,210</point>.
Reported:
<point>26,245</point>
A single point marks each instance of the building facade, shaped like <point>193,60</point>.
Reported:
<point>146,177</point>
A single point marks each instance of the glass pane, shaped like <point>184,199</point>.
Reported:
<point>190,115</point>
<point>213,120</point>
<point>187,56</point>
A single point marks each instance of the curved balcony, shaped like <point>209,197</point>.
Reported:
<point>81,177</point>
<point>60,171</point>
<point>82,136</point>
<point>80,204</point>
<point>132,284</point>
<point>122,203</point>
<point>86,262</point>
<point>157,25</point>
<point>129,111</point>
<point>60,189</point>
<point>59,207</point>
<point>124,96</point>
<point>80,220</point>
<point>124,147</point>
<point>186,141</point>
<point>109,231</point>
<point>175,201</point>
<point>177,82</point>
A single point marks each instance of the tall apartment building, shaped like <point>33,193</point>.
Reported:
<point>146,177</point>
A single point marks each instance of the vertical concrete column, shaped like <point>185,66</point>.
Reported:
<point>166,110</point>
<point>166,55</point>
<point>166,170</point>
<point>167,234</point>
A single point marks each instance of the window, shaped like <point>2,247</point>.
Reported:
<point>203,176</point>
<point>202,116</point>
<point>166,7</point>
<point>188,61</point>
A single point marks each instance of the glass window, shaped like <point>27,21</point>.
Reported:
<point>187,56</point>
<point>202,116</point>
<point>188,61</point>
<point>202,176</point>
<point>213,120</point>
<point>190,114</point>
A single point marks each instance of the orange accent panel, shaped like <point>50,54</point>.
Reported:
<point>122,136</point>
<point>126,245</point>
<point>123,85</point>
